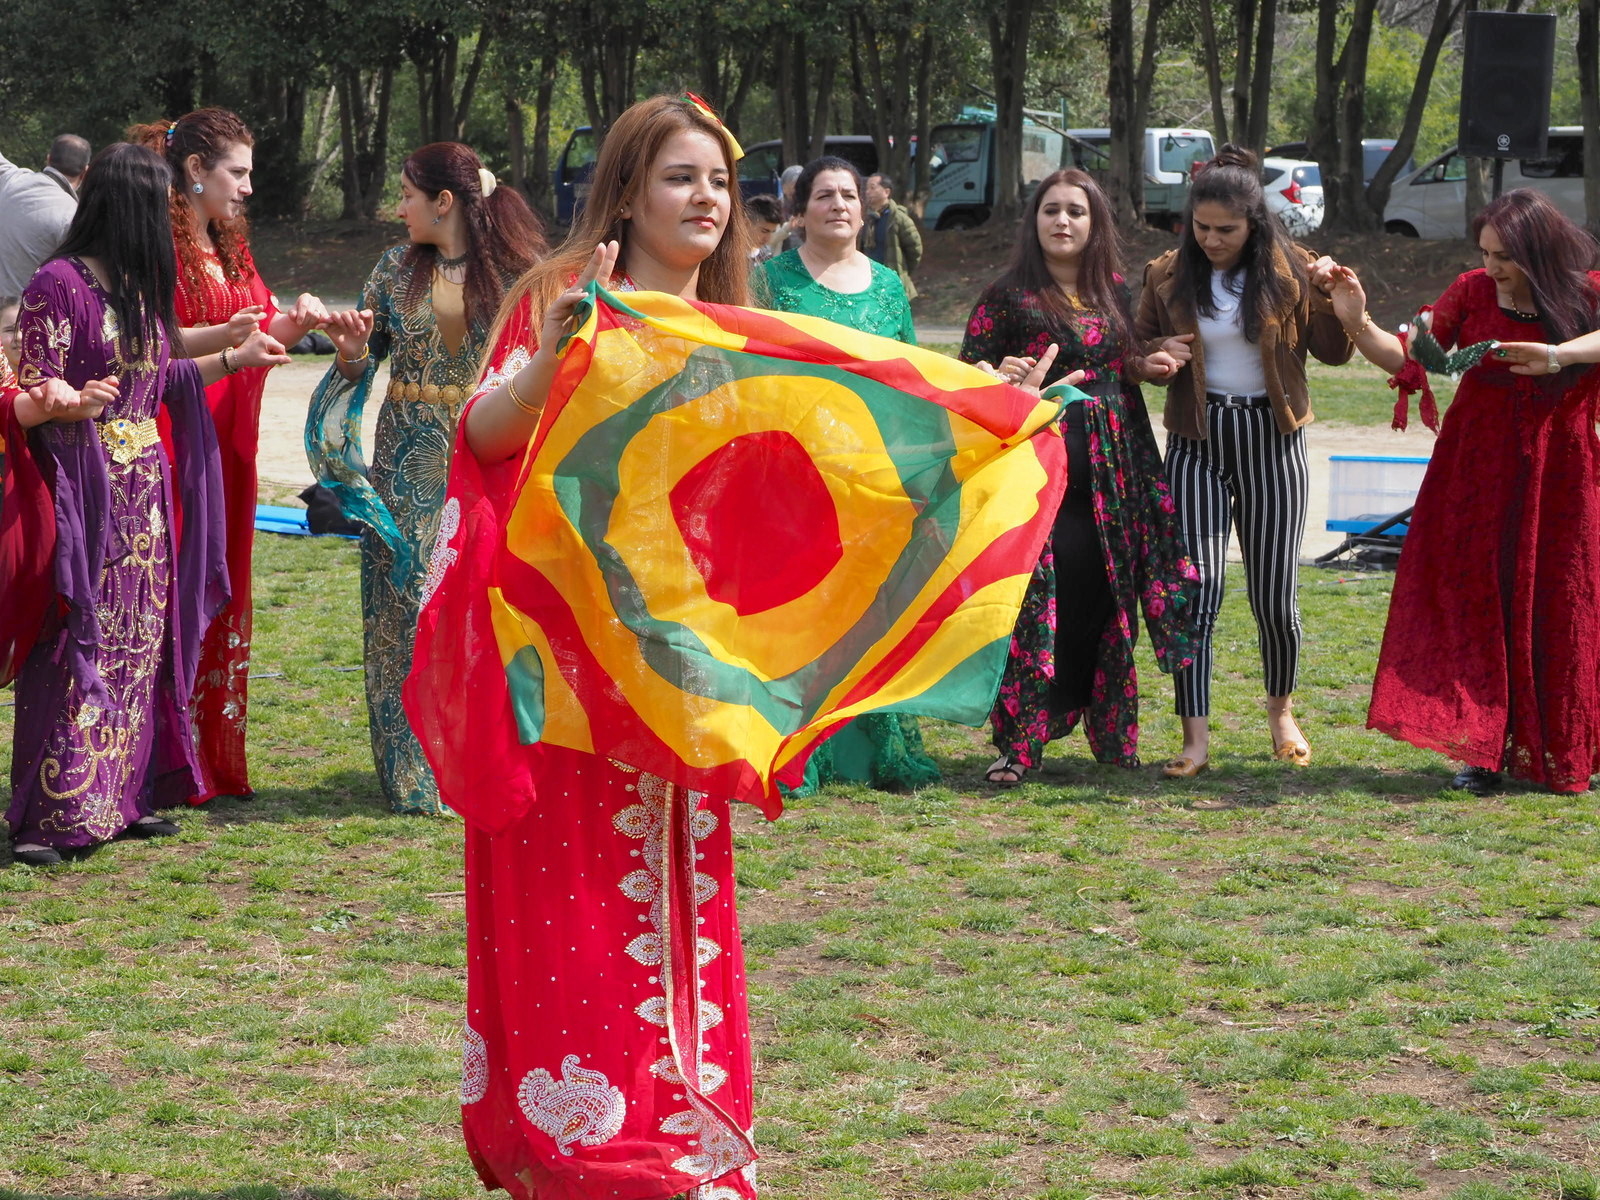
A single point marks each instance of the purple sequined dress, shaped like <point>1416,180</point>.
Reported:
<point>102,733</point>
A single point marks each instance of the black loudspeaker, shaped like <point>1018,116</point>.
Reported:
<point>1505,84</point>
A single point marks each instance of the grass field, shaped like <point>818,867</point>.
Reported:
<point>1341,982</point>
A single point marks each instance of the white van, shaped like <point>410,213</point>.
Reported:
<point>1169,155</point>
<point>1432,202</point>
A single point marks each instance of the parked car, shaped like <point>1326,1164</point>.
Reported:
<point>961,169</point>
<point>1294,192</point>
<point>1432,202</point>
<point>1373,152</point>
<point>1169,156</point>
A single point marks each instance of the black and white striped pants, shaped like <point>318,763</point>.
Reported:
<point>1249,474</point>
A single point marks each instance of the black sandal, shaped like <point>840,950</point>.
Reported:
<point>1006,765</point>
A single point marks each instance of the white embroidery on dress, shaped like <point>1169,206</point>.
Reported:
<point>474,1066</point>
<point>444,554</point>
<point>584,1107</point>
<point>712,1076</point>
<point>720,1150</point>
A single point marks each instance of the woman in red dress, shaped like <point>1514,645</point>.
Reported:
<point>221,301</point>
<point>607,1048</point>
<point>1489,651</point>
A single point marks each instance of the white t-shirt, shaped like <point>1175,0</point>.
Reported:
<point>35,211</point>
<point>1232,364</point>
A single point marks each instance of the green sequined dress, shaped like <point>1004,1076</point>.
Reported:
<point>883,749</point>
<point>433,355</point>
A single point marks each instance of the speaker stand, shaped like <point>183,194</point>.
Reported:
<point>1498,175</point>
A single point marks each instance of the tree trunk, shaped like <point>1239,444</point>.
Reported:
<point>822,117</point>
<point>1009,25</point>
<point>1444,19</point>
<point>925,114</point>
<point>1589,90</point>
<point>378,156</point>
<point>1255,134</point>
<point>539,194</point>
<point>469,85</point>
<point>792,108</point>
<point>1208,40</point>
<point>1245,16</point>
<point>1353,214</point>
<point>1125,179</point>
<point>1322,141</point>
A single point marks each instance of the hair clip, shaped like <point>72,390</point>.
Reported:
<point>171,129</point>
<point>710,113</point>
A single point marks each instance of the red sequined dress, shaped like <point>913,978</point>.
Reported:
<point>1489,651</point>
<point>221,683</point>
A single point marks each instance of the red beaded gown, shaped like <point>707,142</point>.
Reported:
<point>221,686</point>
<point>1489,651</point>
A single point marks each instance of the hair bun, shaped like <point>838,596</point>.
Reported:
<point>1235,156</point>
<point>487,182</point>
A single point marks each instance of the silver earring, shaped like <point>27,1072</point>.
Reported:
<point>436,220</point>
<point>198,188</point>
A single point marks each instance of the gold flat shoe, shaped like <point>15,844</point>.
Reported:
<point>1184,767</point>
<point>1296,754</point>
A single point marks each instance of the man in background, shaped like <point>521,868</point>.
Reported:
<point>35,209</point>
<point>890,234</point>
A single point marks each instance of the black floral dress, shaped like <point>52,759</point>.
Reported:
<point>1146,563</point>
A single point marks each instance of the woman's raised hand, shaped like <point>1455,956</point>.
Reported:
<point>348,331</point>
<point>260,350</point>
<point>245,322</point>
<point>1348,296</point>
<point>307,313</point>
<point>558,316</point>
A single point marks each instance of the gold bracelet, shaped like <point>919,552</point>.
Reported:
<point>511,386</point>
<point>366,350</point>
<point>1362,328</point>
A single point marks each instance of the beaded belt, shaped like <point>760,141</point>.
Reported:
<point>125,440</point>
<point>1230,400</point>
<point>449,395</point>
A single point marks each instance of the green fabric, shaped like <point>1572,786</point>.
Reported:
<point>882,749</point>
<point>785,284</point>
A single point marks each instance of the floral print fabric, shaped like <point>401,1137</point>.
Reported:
<point>1145,558</point>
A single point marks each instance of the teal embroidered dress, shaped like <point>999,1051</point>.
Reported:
<point>883,749</point>
<point>433,358</point>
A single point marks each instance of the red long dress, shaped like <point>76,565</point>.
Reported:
<point>221,684</point>
<point>606,1054</point>
<point>1488,655</point>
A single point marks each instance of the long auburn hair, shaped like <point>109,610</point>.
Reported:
<point>209,133</point>
<point>1552,251</point>
<point>1099,279</point>
<point>1233,180</point>
<point>121,219</point>
<point>620,175</point>
<point>504,236</point>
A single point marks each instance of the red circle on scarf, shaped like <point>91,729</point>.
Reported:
<point>758,521</point>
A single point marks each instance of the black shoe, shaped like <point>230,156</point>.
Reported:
<point>150,829</point>
<point>1480,781</point>
<point>37,858</point>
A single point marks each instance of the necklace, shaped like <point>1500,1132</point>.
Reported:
<point>450,264</point>
<point>1518,313</point>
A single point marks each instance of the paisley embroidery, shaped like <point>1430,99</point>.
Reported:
<point>474,1066</point>
<point>584,1107</point>
<point>444,554</point>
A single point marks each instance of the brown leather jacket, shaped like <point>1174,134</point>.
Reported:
<point>1312,326</point>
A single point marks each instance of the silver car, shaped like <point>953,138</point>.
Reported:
<point>1432,202</point>
<point>1294,192</point>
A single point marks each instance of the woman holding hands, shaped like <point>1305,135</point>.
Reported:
<point>221,300</point>
<point>1237,292</point>
<point>103,602</point>
<point>1488,653</point>
<point>1115,546</point>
